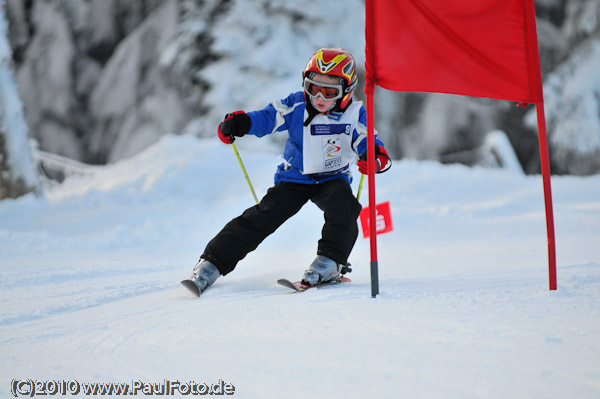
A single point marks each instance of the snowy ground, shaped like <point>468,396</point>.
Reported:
<point>89,285</point>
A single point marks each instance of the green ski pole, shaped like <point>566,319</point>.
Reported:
<point>237,154</point>
<point>362,178</point>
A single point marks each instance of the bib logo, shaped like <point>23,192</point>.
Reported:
<point>333,154</point>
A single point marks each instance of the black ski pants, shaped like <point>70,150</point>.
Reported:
<point>244,233</point>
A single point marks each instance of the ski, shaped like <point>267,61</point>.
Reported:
<point>192,286</point>
<point>299,286</point>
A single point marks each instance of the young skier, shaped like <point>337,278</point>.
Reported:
<point>327,133</point>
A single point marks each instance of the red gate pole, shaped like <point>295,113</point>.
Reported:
<point>545,162</point>
<point>369,91</point>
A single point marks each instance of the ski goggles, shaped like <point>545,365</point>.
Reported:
<point>326,91</point>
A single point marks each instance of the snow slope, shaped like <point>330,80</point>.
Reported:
<point>89,285</point>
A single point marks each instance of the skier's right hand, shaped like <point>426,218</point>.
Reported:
<point>235,124</point>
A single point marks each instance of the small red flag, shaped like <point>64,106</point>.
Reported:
<point>383,217</point>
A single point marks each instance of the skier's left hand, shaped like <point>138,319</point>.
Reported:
<point>382,161</point>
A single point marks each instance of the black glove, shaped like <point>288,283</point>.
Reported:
<point>235,124</point>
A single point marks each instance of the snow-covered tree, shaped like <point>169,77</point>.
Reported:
<point>102,79</point>
<point>572,94</point>
<point>17,171</point>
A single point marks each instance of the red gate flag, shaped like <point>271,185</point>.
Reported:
<point>480,48</point>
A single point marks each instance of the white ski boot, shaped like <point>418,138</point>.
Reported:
<point>322,270</point>
<point>203,276</point>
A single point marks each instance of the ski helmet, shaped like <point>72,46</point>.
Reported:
<point>334,61</point>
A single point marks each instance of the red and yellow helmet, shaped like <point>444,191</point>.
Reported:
<point>338,62</point>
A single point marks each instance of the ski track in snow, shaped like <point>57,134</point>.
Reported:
<point>463,311</point>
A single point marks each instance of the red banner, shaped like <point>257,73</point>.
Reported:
<point>483,48</point>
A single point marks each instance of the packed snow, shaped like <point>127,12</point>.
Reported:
<point>90,271</point>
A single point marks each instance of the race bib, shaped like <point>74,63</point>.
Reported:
<point>327,143</point>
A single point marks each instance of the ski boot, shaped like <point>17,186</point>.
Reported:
<point>322,270</point>
<point>203,276</point>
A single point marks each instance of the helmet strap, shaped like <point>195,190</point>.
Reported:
<point>338,106</point>
<point>312,111</point>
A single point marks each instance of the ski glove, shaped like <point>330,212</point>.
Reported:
<point>235,124</point>
<point>383,160</point>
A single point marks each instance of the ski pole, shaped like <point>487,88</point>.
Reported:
<point>362,178</point>
<point>237,154</point>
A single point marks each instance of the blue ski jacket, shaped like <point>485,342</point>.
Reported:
<point>323,150</point>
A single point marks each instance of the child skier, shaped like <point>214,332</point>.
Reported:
<point>327,131</point>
